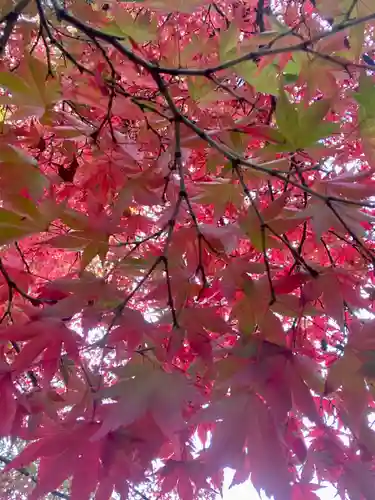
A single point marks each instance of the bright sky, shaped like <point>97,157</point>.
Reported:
<point>246,491</point>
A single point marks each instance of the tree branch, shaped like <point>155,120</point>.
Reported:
<point>259,19</point>
<point>28,474</point>
<point>115,41</point>
<point>34,301</point>
<point>10,21</point>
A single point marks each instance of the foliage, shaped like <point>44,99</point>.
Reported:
<point>187,251</point>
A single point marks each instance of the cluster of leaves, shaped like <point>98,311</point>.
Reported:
<point>187,253</point>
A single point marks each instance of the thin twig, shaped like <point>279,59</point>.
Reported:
<point>115,41</point>
<point>25,472</point>
<point>33,300</point>
<point>263,227</point>
<point>10,21</point>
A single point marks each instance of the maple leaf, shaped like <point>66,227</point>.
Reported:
<point>29,89</point>
<point>63,452</point>
<point>218,194</point>
<point>186,247</point>
<point>37,335</point>
<point>256,431</point>
<point>9,407</point>
<point>132,329</point>
<point>161,393</point>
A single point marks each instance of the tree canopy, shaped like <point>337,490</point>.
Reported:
<point>187,249</point>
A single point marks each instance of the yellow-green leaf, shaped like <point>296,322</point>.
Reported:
<point>12,154</point>
<point>19,171</point>
<point>91,251</point>
<point>287,118</point>
<point>168,6</point>
<point>74,219</point>
<point>23,206</point>
<point>228,43</point>
<point>13,83</point>
<point>76,240</point>
<point>356,40</point>
<point>14,227</point>
<point>311,116</point>
<point>201,89</point>
<point>265,80</point>
<point>342,370</point>
<point>142,29</point>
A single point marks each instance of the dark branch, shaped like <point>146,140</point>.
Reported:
<point>28,474</point>
<point>10,21</point>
